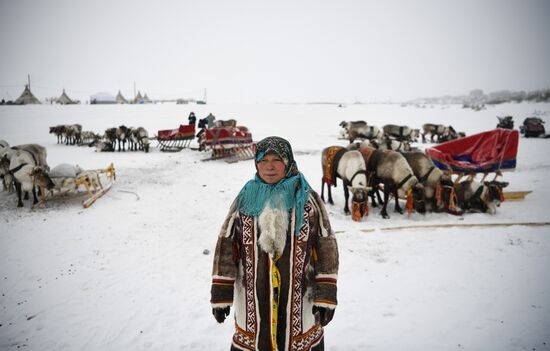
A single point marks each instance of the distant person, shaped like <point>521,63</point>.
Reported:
<point>210,120</point>
<point>202,126</point>
<point>276,259</point>
<point>202,123</point>
<point>192,119</point>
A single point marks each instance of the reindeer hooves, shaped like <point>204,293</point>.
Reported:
<point>399,210</point>
<point>385,216</point>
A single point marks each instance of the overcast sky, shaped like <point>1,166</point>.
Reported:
<point>274,51</point>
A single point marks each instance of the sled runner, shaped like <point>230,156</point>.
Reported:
<point>65,179</point>
<point>174,140</point>
<point>229,143</point>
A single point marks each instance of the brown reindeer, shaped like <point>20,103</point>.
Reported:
<point>42,180</point>
<point>438,187</point>
<point>227,123</point>
<point>483,197</point>
<point>122,136</point>
<point>443,133</point>
<point>58,132</point>
<point>391,169</point>
<point>401,133</point>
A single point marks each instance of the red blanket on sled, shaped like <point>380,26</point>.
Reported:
<point>185,131</point>
<point>489,151</point>
<point>227,135</point>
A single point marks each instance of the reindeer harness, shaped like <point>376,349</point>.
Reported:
<point>425,176</point>
<point>18,168</point>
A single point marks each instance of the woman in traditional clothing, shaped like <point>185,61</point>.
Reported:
<point>276,259</point>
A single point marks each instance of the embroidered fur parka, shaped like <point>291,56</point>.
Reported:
<point>275,280</point>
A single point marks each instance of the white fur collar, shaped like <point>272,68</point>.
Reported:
<point>273,224</point>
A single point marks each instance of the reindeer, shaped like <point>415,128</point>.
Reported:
<point>387,143</point>
<point>77,132</point>
<point>42,180</point>
<point>438,187</point>
<point>143,138</point>
<point>22,162</point>
<point>72,133</point>
<point>58,131</point>
<point>352,124</point>
<point>360,130</point>
<point>88,137</point>
<point>121,136</point>
<point>7,180</point>
<point>364,132</point>
<point>227,123</point>
<point>401,133</point>
<point>451,135</point>
<point>473,196</point>
<point>392,170</point>
<point>67,133</point>
<point>439,130</point>
<point>133,142</point>
<point>5,175</point>
<point>110,137</point>
<point>138,139</point>
<point>338,162</point>
<point>102,146</point>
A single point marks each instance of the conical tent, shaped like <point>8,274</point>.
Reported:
<point>120,99</point>
<point>27,97</point>
<point>64,99</point>
<point>146,99</point>
<point>138,99</point>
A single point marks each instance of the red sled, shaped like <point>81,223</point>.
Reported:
<point>176,139</point>
<point>491,151</point>
<point>228,142</point>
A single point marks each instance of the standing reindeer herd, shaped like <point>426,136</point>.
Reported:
<point>384,161</point>
<point>376,161</point>
<point>394,137</point>
<point>137,138</point>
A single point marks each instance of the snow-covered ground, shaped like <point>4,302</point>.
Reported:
<point>129,273</point>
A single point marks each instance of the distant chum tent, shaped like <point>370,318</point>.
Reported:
<point>26,97</point>
<point>120,99</point>
<point>138,99</point>
<point>65,100</point>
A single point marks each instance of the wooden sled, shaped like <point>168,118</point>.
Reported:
<point>89,179</point>
<point>516,195</point>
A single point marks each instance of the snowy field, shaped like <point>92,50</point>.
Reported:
<point>129,273</point>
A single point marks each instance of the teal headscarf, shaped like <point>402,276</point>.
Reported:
<point>292,190</point>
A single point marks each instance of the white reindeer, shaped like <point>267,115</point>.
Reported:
<point>351,169</point>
